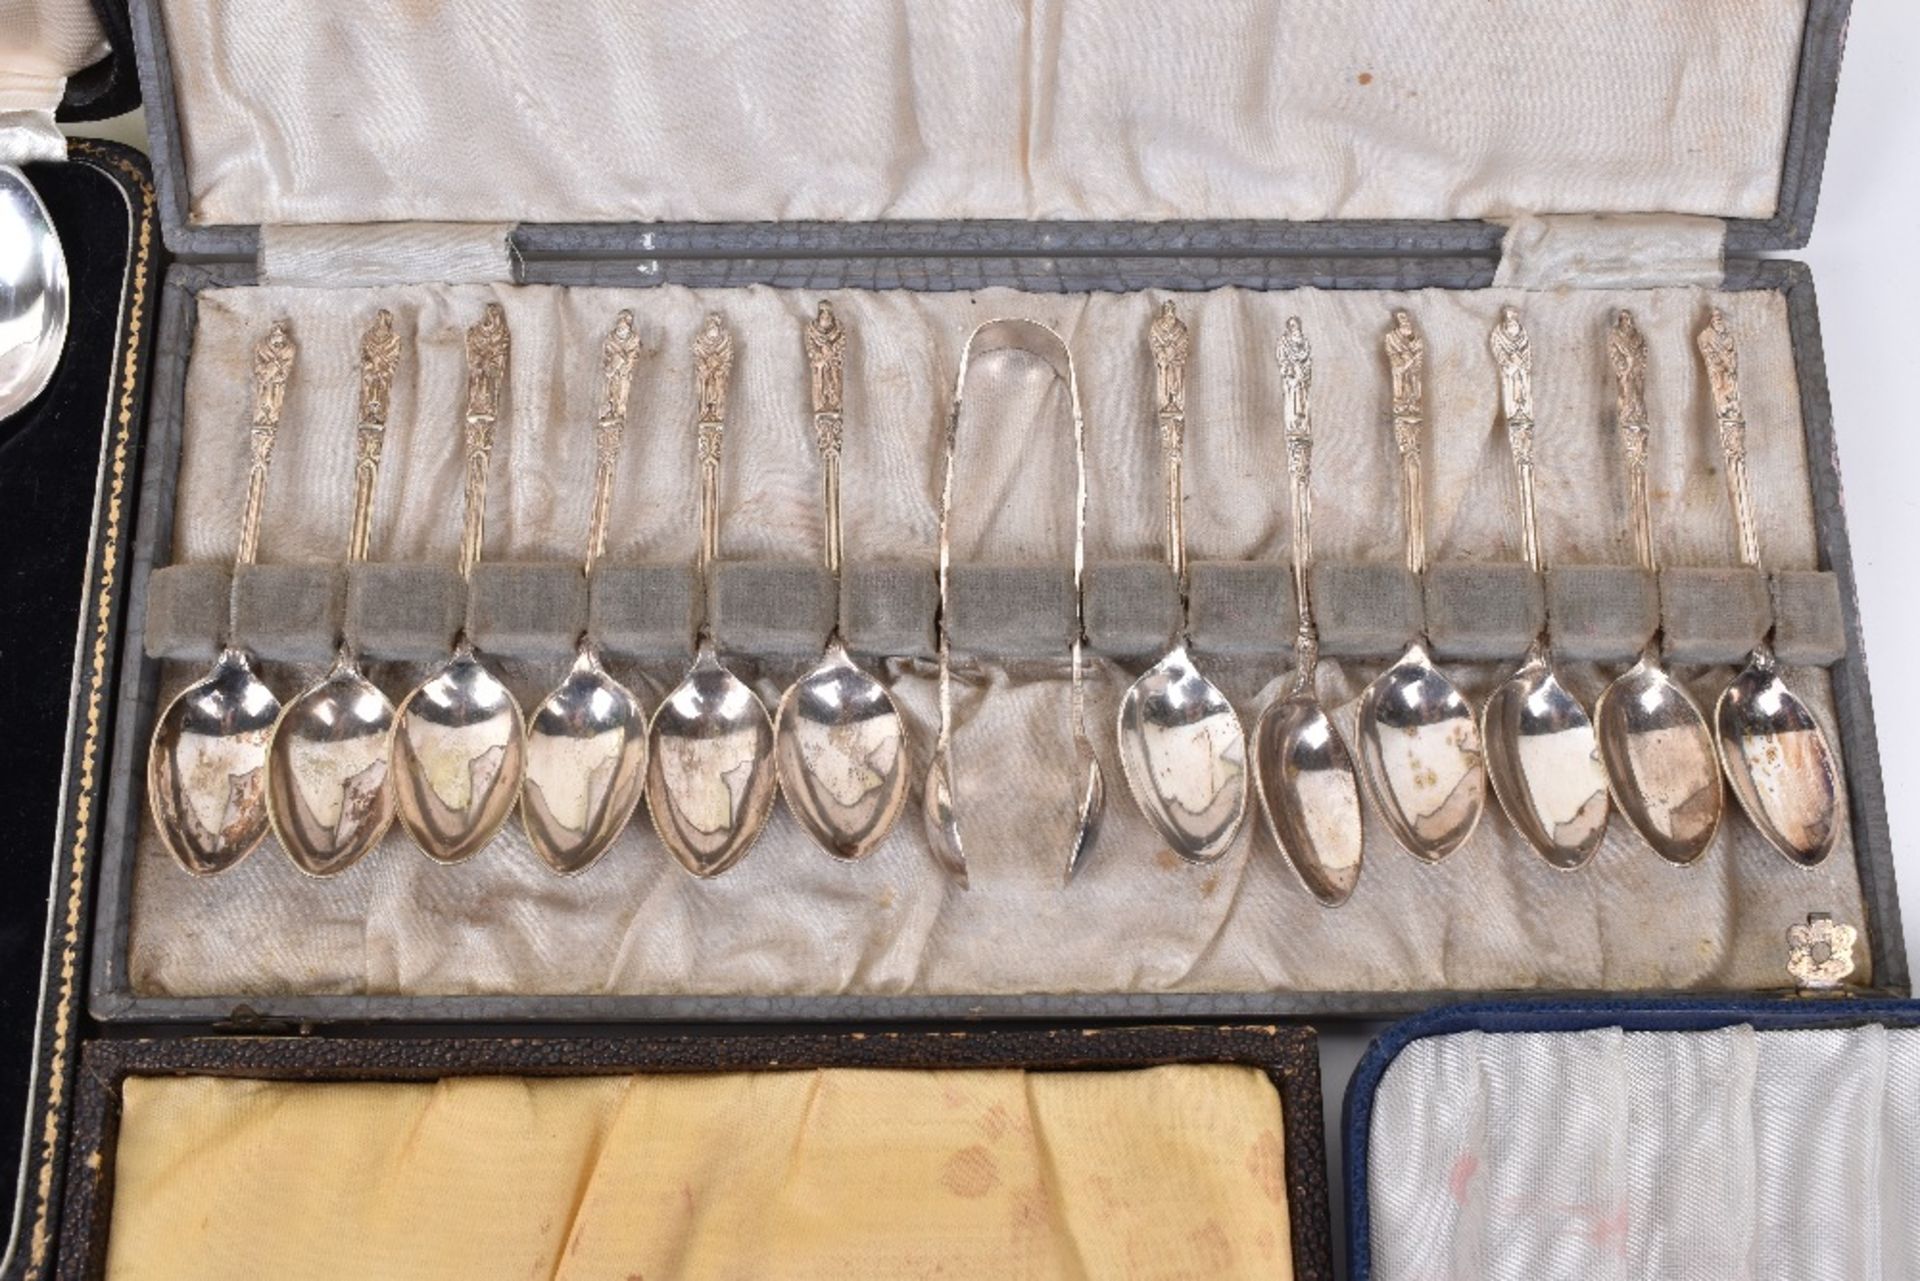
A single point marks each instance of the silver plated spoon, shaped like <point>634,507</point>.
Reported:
<point>587,740</point>
<point>1182,747</point>
<point>840,746</point>
<point>1419,743</point>
<point>328,790</point>
<point>1654,738</point>
<point>1542,753</point>
<point>1090,791</point>
<point>458,742</point>
<point>710,777</point>
<point>207,763</point>
<point>1302,771</point>
<point>33,293</point>
<point>1776,757</point>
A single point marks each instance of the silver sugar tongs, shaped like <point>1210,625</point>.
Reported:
<point>942,819</point>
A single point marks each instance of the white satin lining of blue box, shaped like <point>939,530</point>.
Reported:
<point>1609,1154</point>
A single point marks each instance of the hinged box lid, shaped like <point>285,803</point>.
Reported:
<point>989,127</point>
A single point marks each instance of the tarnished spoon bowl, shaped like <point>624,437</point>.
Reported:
<point>33,293</point>
<point>1185,757</point>
<point>1660,761</point>
<point>1544,762</point>
<point>1420,749</point>
<point>942,823</point>
<point>710,776</point>
<point>459,755</point>
<point>329,793</point>
<point>1779,764</point>
<point>207,766</point>
<point>586,766</point>
<point>841,756</point>
<point>1310,795</point>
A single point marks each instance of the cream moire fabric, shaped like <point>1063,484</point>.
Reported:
<point>42,42</point>
<point>836,1175</point>
<point>718,110</point>
<point>790,920</point>
<point>1648,1156</point>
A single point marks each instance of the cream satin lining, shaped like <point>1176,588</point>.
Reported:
<point>720,110</point>
<point>836,1175</point>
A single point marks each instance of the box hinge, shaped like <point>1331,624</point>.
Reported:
<point>1612,251</point>
<point>386,253</point>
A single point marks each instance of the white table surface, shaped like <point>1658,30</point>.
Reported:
<point>1866,265</point>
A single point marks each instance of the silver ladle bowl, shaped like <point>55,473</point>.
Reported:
<point>33,293</point>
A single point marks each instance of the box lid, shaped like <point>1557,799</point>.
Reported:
<point>989,127</point>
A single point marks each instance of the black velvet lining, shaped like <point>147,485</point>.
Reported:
<point>50,459</point>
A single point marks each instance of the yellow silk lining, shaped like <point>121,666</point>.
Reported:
<point>840,1175</point>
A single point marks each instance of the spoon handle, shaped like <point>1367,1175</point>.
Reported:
<point>1406,361</point>
<point>487,347</point>
<point>379,356</point>
<point>272,366</point>
<point>1296,380</point>
<point>712,364</point>
<point>826,340</point>
<point>1627,352</point>
<point>1723,378</point>
<point>618,355</point>
<point>1171,344</point>
<point>1513,351</point>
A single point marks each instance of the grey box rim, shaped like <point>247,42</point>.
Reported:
<point>112,999</point>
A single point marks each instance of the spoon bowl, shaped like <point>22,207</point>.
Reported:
<point>586,766</point>
<point>1659,756</point>
<point>1184,754</point>
<point>710,777</point>
<point>459,748</point>
<point>1309,794</point>
<point>841,757</point>
<point>207,768</point>
<point>327,775</point>
<point>34,291</point>
<point>1779,763</point>
<point>1421,755</point>
<point>1544,761</point>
